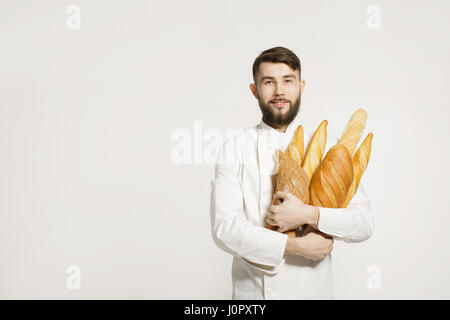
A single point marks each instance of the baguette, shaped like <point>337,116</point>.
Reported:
<point>332,179</point>
<point>353,130</point>
<point>290,177</point>
<point>315,150</point>
<point>360,161</point>
<point>295,148</point>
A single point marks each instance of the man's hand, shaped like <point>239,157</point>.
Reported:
<point>314,246</point>
<point>291,213</point>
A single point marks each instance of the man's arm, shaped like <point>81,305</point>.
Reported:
<point>231,231</point>
<point>352,224</point>
<point>313,246</point>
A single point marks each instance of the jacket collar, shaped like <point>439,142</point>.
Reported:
<point>271,139</point>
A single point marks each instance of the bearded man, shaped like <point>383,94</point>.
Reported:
<point>268,264</point>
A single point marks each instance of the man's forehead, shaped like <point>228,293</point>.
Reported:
<point>270,69</point>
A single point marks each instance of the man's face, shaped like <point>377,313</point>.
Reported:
<point>278,90</point>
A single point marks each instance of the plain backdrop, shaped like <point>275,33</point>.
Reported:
<point>88,118</point>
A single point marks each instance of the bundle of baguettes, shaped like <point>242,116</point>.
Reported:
<point>336,179</point>
<point>331,182</point>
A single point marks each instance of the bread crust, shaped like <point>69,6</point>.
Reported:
<point>360,162</point>
<point>354,130</point>
<point>315,150</point>
<point>290,177</point>
<point>332,179</point>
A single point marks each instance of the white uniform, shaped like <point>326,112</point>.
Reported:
<point>240,196</point>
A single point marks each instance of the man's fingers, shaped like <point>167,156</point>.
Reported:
<point>281,195</point>
<point>330,248</point>
<point>270,222</point>
<point>274,208</point>
<point>270,214</point>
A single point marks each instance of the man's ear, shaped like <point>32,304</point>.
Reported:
<point>302,85</point>
<point>253,90</point>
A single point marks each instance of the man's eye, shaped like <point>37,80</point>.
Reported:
<point>288,80</point>
<point>267,82</point>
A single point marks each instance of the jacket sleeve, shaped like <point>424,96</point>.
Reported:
<point>231,230</point>
<point>352,224</point>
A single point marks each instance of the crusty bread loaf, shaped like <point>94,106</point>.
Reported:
<point>315,150</point>
<point>332,179</point>
<point>290,177</point>
<point>293,176</point>
<point>359,162</point>
<point>354,130</point>
<point>295,147</point>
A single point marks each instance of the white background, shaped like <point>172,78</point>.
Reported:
<point>86,119</point>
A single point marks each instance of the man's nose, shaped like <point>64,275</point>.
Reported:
<point>279,90</point>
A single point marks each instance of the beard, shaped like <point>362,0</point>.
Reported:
<point>277,119</point>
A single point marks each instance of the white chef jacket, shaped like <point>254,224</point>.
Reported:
<point>241,193</point>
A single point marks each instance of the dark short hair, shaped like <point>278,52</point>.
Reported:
<point>275,55</point>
